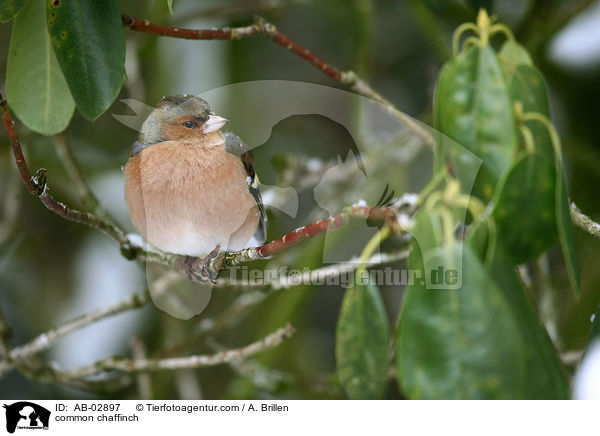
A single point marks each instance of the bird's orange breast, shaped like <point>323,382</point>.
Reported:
<point>188,199</point>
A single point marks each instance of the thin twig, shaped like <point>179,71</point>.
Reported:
<point>386,214</point>
<point>41,372</point>
<point>175,363</point>
<point>47,339</point>
<point>9,125</point>
<point>584,222</point>
<point>261,26</point>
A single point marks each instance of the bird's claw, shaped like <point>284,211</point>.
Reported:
<point>202,270</point>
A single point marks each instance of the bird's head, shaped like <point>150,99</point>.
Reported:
<point>180,118</point>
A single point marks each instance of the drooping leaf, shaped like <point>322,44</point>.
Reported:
<point>10,8</point>
<point>89,42</point>
<point>544,375</point>
<point>473,107</point>
<point>524,208</point>
<point>362,343</point>
<point>35,87</point>
<point>528,88</point>
<point>481,341</point>
<point>458,343</point>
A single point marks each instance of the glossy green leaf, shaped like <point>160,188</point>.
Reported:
<point>35,87</point>
<point>524,208</point>
<point>544,376</point>
<point>528,88</point>
<point>481,341</point>
<point>459,344</point>
<point>474,108</point>
<point>89,42</point>
<point>10,8</point>
<point>362,344</point>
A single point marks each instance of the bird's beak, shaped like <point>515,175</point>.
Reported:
<point>214,123</point>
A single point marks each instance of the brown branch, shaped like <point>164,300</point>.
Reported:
<point>386,214</point>
<point>9,125</point>
<point>178,32</point>
<point>348,78</point>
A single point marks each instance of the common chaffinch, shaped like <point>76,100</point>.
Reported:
<point>191,189</point>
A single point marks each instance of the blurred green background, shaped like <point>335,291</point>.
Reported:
<point>52,270</point>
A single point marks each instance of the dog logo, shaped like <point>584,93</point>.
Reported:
<point>26,415</point>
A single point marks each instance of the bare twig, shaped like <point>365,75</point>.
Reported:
<point>175,363</point>
<point>9,125</point>
<point>41,372</point>
<point>584,222</point>
<point>348,78</point>
<point>47,339</point>
<point>386,214</point>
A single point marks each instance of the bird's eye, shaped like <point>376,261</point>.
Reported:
<point>189,124</point>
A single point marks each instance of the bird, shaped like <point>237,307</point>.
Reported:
<point>190,188</point>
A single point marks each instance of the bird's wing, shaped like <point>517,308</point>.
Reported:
<point>236,146</point>
<point>135,148</point>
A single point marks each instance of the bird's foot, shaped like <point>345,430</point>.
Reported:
<point>202,270</point>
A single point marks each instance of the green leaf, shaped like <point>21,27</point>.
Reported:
<point>35,87</point>
<point>474,108</point>
<point>89,42</point>
<point>458,344</point>
<point>10,8</point>
<point>170,5</point>
<point>529,185</point>
<point>544,375</point>
<point>362,344</point>
<point>481,341</point>
<point>528,88</point>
